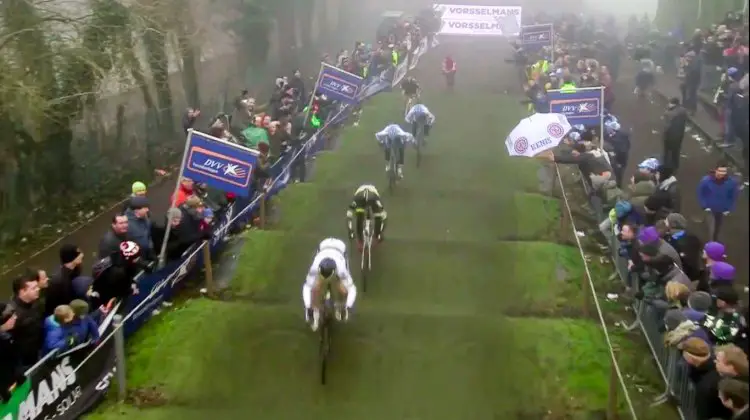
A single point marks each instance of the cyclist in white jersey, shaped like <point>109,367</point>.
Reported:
<point>393,132</point>
<point>419,113</point>
<point>329,271</point>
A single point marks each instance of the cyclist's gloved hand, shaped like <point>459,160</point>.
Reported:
<point>308,315</point>
<point>351,234</point>
<point>345,314</point>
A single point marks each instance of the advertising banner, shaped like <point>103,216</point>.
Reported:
<point>584,106</point>
<point>339,85</point>
<point>63,387</point>
<point>536,37</point>
<point>479,20</point>
<point>218,163</point>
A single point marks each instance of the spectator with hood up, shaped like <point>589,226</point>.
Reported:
<point>717,195</point>
<point>687,245</point>
<point>666,198</point>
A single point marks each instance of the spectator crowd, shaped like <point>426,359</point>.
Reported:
<point>687,282</point>
<point>711,63</point>
<point>64,311</point>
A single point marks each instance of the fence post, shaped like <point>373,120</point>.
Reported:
<point>613,388</point>
<point>263,209</point>
<point>208,267</point>
<point>120,357</point>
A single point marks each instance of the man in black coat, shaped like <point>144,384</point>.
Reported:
<point>61,289</point>
<point>675,121</point>
<point>28,332</point>
<point>687,244</point>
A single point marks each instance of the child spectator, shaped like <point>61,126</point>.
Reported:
<point>85,328</point>
<point>58,330</point>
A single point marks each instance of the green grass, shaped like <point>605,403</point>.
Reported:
<point>469,313</point>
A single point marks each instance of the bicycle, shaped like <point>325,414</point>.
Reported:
<point>420,139</point>
<point>367,237</point>
<point>392,166</point>
<point>325,334</point>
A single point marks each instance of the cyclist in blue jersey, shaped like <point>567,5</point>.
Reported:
<point>419,113</point>
<point>393,132</point>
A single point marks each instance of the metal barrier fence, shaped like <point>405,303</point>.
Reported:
<point>673,370</point>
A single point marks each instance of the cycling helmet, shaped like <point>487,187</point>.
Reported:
<point>327,267</point>
<point>130,250</point>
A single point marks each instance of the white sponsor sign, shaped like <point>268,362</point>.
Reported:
<point>479,20</point>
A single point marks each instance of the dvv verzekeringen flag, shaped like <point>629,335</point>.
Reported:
<point>220,164</point>
<point>536,37</point>
<point>338,84</point>
<point>584,106</point>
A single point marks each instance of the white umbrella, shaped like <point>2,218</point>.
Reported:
<point>536,134</point>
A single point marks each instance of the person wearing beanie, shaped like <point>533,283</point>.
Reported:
<point>60,290</point>
<point>697,354</point>
<point>721,273</point>
<point>138,189</point>
<point>717,195</point>
<point>699,301</point>
<point>84,326</point>
<point>687,245</point>
<point>725,322</point>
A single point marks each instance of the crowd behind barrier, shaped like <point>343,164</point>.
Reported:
<point>75,375</point>
<point>712,66</point>
<point>683,291</point>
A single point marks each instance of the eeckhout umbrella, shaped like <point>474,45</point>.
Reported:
<point>536,134</point>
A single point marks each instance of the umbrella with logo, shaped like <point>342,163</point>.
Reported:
<point>536,134</point>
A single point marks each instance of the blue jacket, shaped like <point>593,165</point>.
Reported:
<point>56,336</point>
<point>139,230</point>
<point>719,196</point>
<point>85,329</point>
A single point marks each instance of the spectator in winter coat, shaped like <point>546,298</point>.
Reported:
<point>85,328</point>
<point>675,120</point>
<point>28,332</point>
<point>687,245</point>
<point>733,394</point>
<point>139,226</point>
<point>138,190</point>
<point>115,235</point>
<point>61,289</point>
<point>185,190</point>
<point>666,198</point>
<point>58,330</point>
<point>717,195</point>
<point>731,362</point>
<point>11,371</point>
<point>726,322</point>
<point>180,237</point>
<point>713,252</point>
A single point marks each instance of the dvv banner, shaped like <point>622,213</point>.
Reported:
<point>338,84</point>
<point>584,106</point>
<point>536,37</point>
<point>479,20</point>
<point>220,164</point>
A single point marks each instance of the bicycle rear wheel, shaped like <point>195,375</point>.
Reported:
<point>325,343</point>
<point>392,171</point>
<point>420,140</point>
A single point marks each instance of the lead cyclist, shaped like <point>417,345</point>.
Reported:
<point>329,271</point>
